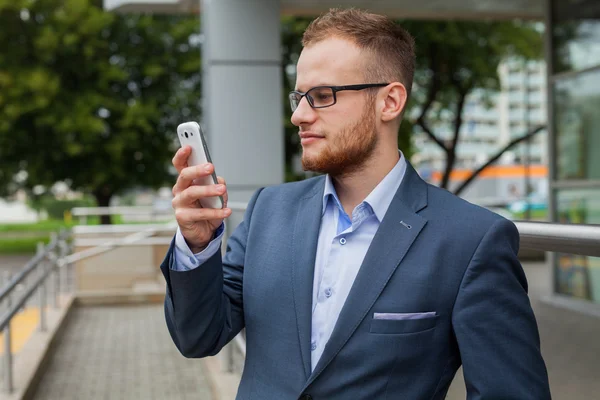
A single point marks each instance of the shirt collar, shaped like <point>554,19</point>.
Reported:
<point>380,198</point>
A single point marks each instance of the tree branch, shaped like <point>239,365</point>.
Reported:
<point>432,92</point>
<point>497,156</point>
<point>458,120</point>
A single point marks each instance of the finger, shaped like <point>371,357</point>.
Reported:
<point>181,157</point>
<point>221,180</point>
<point>186,215</point>
<point>189,196</point>
<point>188,174</point>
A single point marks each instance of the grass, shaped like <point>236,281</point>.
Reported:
<point>22,245</point>
<point>538,215</point>
<point>42,226</point>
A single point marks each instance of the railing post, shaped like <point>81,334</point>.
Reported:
<point>61,283</point>
<point>230,348</point>
<point>69,274</point>
<point>42,290</point>
<point>56,275</point>
<point>8,376</point>
<point>53,275</point>
<point>62,267</point>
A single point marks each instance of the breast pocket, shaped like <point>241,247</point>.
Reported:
<point>402,323</point>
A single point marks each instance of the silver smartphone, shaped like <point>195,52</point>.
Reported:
<point>190,134</point>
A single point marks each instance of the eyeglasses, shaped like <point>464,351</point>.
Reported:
<point>325,96</point>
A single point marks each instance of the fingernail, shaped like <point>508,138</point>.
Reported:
<point>207,167</point>
<point>220,187</point>
<point>227,212</point>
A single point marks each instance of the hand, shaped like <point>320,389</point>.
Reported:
<point>197,224</point>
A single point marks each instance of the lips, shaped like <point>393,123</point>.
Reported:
<point>308,135</point>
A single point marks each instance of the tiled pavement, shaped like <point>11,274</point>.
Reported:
<point>120,353</point>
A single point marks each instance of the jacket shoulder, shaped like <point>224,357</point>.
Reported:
<point>294,190</point>
<point>448,205</point>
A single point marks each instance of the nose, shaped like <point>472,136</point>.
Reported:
<point>304,113</point>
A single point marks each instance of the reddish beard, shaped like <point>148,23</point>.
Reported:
<point>347,150</point>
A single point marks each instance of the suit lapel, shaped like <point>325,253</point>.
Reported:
<point>397,232</point>
<point>304,241</point>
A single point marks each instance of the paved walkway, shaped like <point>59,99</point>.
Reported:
<point>120,353</point>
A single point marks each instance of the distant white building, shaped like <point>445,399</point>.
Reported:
<point>519,106</point>
<point>16,212</point>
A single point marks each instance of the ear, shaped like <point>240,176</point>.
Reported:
<point>394,101</point>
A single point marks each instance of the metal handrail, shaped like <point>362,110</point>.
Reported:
<point>44,255</point>
<point>31,266</point>
<point>40,260</point>
<point>565,238</point>
<point>16,307</point>
<point>543,236</point>
<point>112,244</point>
<point>117,210</point>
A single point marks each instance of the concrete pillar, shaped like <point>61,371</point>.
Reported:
<point>242,93</point>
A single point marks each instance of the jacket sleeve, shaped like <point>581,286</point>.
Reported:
<point>204,307</point>
<point>494,323</point>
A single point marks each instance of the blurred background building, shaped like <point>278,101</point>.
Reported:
<point>491,121</point>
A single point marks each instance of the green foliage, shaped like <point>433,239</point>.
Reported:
<point>460,56</point>
<point>292,29</point>
<point>91,97</point>
<point>49,225</point>
<point>22,245</point>
<point>456,59</point>
<point>56,208</point>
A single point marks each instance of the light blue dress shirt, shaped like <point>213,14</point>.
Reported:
<point>341,248</point>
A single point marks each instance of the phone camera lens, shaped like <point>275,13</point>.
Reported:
<point>186,134</point>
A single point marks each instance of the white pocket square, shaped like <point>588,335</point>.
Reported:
<point>404,316</point>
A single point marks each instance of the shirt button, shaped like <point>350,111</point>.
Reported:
<point>343,241</point>
<point>328,292</point>
<point>193,260</point>
<point>313,346</point>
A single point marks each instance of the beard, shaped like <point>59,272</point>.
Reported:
<point>346,151</point>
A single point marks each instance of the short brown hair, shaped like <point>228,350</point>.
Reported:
<point>392,46</point>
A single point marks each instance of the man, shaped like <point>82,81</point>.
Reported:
<point>363,283</point>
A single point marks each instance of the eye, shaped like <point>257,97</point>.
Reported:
<point>322,96</point>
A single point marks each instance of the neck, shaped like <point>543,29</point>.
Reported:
<point>354,187</point>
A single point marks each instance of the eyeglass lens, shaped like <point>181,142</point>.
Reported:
<point>317,97</point>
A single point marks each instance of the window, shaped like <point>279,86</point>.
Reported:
<point>576,118</point>
<point>576,34</point>
<point>578,276</point>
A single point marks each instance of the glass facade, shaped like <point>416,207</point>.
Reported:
<point>578,276</point>
<point>577,123</point>
<point>575,34</point>
<point>575,95</point>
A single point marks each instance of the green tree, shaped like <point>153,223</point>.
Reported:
<point>455,59</point>
<point>93,98</point>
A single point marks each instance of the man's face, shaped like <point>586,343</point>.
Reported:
<point>337,139</point>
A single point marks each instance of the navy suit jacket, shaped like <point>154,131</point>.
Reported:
<point>433,252</point>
